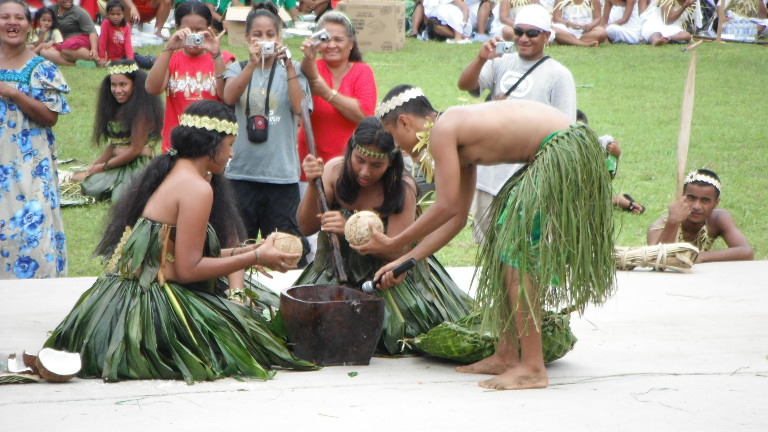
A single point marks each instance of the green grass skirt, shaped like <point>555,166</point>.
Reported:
<point>129,325</point>
<point>556,227</point>
<point>426,298</point>
<point>111,184</point>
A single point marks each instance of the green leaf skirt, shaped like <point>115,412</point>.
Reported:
<point>556,227</point>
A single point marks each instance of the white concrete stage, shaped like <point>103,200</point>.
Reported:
<point>669,352</point>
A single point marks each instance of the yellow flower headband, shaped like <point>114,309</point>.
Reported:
<point>123,69</point>
<point>694,176</point>
<point>385,107</point>
<point>371,153</point>
<point>209,123</point>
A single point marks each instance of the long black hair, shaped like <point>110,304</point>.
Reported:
<point>190,7</point>
<point>188,142</point>
<point>371,132</point>
<point>141,106</point>
<point>419,105</point>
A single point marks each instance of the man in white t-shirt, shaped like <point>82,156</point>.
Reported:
<point>550,83</point>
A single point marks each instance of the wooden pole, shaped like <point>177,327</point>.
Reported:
<point>683,139</point>
<point>338,261</point>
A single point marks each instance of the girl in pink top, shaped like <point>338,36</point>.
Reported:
<point>115,39</point>
<point>343,87</point>
<point>188,71</point>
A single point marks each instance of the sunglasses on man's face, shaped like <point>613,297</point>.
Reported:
<point>532,33</point>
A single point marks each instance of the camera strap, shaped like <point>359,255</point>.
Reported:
<point>528,72</point>
<point>269,86</point>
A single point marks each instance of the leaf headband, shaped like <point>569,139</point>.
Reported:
<point>390,105</point>
<point>209,123</point>
<point>695,176</point>
<point>372,153</point>
<point>122,69</point>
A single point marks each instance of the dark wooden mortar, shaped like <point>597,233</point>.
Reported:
<point>332,325</point>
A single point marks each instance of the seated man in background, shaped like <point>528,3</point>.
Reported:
<point>694,218</point>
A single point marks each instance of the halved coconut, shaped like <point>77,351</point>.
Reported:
<point>16,366</point>
<point>58,366</point>
<point>290,244</point>
<point>30,361</point>
<point>358,231</point>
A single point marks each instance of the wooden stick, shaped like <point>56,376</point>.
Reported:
<point>684,137</point>
<point>338,261</point>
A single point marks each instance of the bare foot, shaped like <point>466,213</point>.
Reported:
<point>493,365</point>
<point>518,378</point>
<point>661,41</point>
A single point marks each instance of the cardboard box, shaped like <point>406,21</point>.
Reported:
<point>235,21</point>
<point>379,25</point>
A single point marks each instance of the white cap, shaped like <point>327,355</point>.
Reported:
<point>534,15</point>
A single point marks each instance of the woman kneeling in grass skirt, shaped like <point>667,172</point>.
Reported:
<point>156,311</point>
<point>371,177</point>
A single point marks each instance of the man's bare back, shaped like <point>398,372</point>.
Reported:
<point>498,132</point>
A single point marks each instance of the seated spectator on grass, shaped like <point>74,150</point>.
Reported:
<point>663,21</point>
<point>577,22</point>
<point>694,218</point>
<point>449,19</point>
<point>319,7</point>
<point>621,19</point>
<point>115,38</point>
<point>44,33</point>
<point>81,42</point>
<point>504,14</point>
<point>144,11</point>
<point>129,121</point>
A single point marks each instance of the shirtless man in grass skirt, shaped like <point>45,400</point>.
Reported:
<point>552,245</point>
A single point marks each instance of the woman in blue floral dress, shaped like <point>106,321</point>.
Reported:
<point>32,240</point>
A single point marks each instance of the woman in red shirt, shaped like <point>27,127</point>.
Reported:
<point>343,87</point>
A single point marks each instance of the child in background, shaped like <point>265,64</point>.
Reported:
<point>45,33</point>
<point>188,72</point>
<point>115,39</point>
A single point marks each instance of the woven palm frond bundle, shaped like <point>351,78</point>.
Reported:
<point>677,257</point>
<point>464,341</point>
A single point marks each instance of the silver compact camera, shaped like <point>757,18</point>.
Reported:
<point>267,48</point>
<point>320,37</point>
<point>195,39</point>
<point>505,48</point>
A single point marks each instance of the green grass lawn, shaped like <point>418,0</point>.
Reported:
<point>631,92</point>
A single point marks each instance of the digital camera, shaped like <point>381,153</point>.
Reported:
<point>267,48</point>
<point>195,39</point>
<point>505,48</point>
<point>320,37</point>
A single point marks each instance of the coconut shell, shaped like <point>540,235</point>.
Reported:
<point>58,366</point>
<point>358,231</point>
<point>30,361</point>
<point>288,243</point>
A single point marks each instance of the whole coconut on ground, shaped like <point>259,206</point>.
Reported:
<point>290,244</point>
<point>358,229</point>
